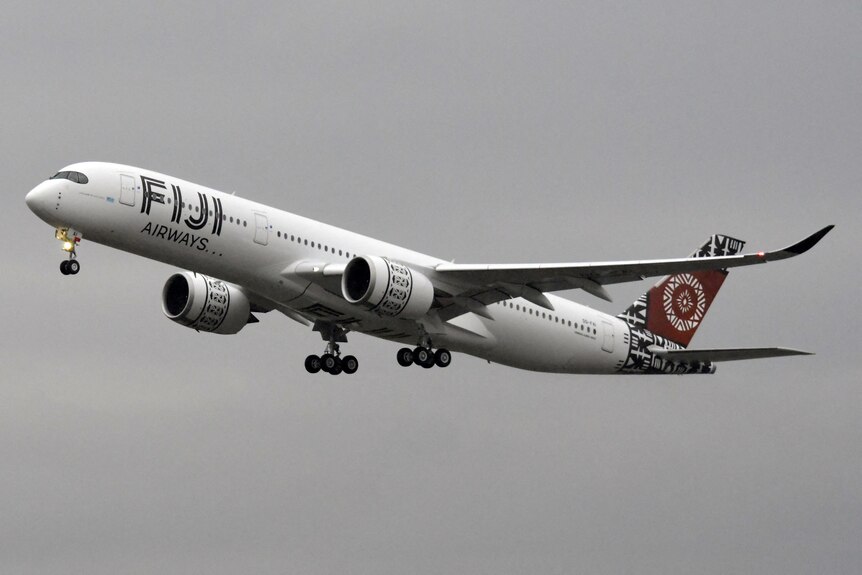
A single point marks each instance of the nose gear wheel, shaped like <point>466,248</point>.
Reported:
<point>69,267</point>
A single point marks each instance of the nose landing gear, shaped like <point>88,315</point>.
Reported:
<point>70,239</point>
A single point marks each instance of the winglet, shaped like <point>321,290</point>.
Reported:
<point>809,242</point>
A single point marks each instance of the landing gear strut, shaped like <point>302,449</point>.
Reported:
<point>70,239</point>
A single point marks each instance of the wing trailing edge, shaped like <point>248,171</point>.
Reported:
<point>479,280</point>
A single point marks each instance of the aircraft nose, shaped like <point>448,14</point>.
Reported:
<point>40,199</point>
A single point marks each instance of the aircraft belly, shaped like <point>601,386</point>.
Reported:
<point>548,345</point>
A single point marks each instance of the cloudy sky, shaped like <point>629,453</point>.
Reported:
<point>480,132</point>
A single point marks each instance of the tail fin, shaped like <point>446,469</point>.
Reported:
<point>675,306</point>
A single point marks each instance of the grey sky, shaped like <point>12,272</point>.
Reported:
<point>481,132</point>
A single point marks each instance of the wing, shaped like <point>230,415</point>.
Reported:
<point>487,284</point>
<point>730,354</point>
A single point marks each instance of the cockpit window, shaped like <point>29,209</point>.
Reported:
<point>76,177</point>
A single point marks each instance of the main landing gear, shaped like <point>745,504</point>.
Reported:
<point>424,357</point>
<point>331,362</point>
<point>70,239</point>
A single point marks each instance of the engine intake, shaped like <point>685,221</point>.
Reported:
<point>388,288</point>
<point>205,304</point>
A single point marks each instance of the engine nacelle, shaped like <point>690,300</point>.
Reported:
<point>390,289</point>
<point>205,304</point>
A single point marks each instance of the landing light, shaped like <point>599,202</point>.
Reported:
<point>67,246</point>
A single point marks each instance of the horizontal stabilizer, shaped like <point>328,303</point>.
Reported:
<point>729,354</point>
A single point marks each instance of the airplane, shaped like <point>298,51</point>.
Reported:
<point>245,258</point>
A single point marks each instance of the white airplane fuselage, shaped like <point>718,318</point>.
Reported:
<point>263,250</point>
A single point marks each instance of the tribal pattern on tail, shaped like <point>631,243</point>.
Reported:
<point>715,246</point>
<point>674,307</point>
<point>641,360</point>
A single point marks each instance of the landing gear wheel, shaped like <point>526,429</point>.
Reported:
<point>312,364</point>
<point>64,267</point>
<point>349,364</point>
<point>422,355</point>
<point>73,266</point>
<point>328,362</point>
<point>337,368</point>
<point>405,357</point>
<point>442,357</point>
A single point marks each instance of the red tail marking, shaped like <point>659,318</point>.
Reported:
<point>677,305</point>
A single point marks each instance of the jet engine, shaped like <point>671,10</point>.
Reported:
<point>388,288</point>
<point>205,304</point>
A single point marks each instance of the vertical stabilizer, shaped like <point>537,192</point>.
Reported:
<point>676,305</point>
